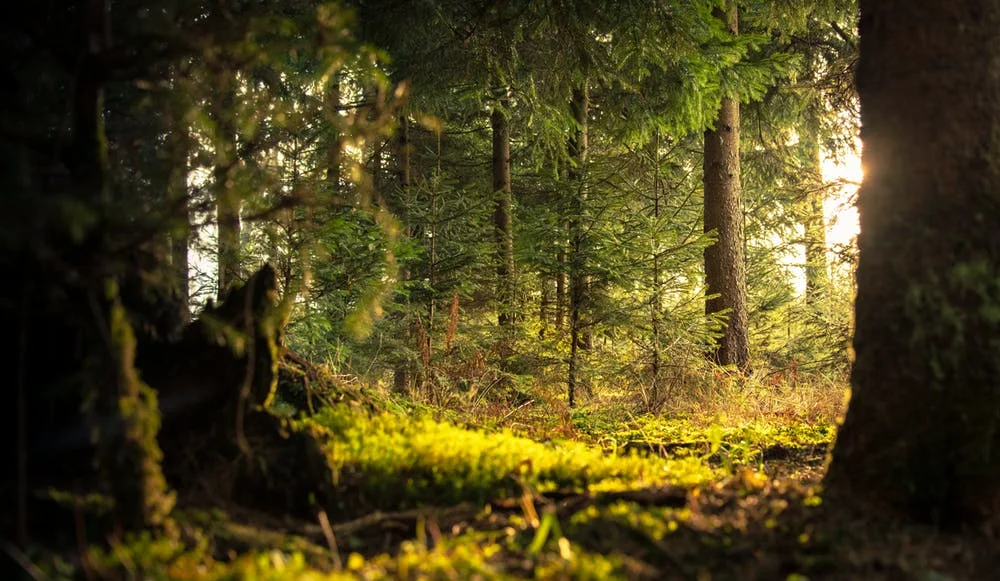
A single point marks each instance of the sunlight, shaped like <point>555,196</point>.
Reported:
<point>842,224</point>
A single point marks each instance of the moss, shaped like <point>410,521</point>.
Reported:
<point>400,462</point>
<point>134,460</point>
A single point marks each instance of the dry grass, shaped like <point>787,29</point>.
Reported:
<point>731,399</point>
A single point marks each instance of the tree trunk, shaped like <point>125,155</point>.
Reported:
<point>402,376</point>
<point>502,223</point>
<point>130,460</point>
<point>725,268</point>
<point>179,143</point>
<point>335,148</point>
<point>227,200</point>
<point>656,301</point>
<point>544,305</point>
<point>560,317</point>
<point>577,253</point>
<point>921,431</point>
<point>814,222</point>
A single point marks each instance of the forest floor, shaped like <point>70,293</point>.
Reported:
<point>723,485</point>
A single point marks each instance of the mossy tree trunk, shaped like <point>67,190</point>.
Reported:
<point>921,433</point>
<point>130,460</point>
<point>725,267</point>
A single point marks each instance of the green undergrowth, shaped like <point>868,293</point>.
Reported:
<point>427,499</point>
<point>503,554</point>
<point>614,432</point>
<point>419,496</point>
<point>391,462</point>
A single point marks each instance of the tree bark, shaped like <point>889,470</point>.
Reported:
<point>227,199</point>
<point>921,433</point>
<point>656,301</point>
<point>130,460</point>
<point>402,375</point>
<point>502,222</point>
<point>580,106</point>
<point>814,222</point>
<point>725,268</point>
<point>544,304</point>
<point>335,147</point>
<point>560,316</point>
<point>177,199</point>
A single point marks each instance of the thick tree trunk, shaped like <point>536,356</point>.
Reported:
<point>502,222</point>
<point>921,431</point>
<point>129,460</point>
<point>577,253</point>
<point>725,268</point>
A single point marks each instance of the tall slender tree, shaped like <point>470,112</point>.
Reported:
<point>725,268</point>
<point>178,197</point>
<point>813,218</point>
<point>228,200</point>
<point>577,255</point>
<point>920,435</point>
<point>503,203</point>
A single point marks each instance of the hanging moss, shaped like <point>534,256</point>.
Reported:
<point>132,461</point>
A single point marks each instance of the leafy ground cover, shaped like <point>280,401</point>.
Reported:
<point>597,493</point>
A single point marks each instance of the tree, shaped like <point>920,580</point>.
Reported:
<point>227,199</point>
<point>502,203</point>
<point>577,256</point>
<point>813,192</point>
<point>725,268</point>
<point>921,433</point>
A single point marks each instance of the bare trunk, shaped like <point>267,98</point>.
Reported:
<point>814,223</point>
<point>657,298</point>
<point>177,199</point>
<point>335,149</point>
<point>544,305</point>
<point>577,253</point>
<point>502,223</point>
<point>227,200</point>
<point>921,434</point>
<point>402,373</point>
<point>560,318</point>
<point>725,268</point>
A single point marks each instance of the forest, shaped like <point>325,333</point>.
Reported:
<point>500,289</point>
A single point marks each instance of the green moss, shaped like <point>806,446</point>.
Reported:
<point>399,462</point>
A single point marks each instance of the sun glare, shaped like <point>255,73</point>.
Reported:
<point>841,216</point>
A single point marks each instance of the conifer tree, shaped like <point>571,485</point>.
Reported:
<point>725,267</point>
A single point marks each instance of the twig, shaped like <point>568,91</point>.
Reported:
<point>22,560</point>
<point>513,411</point>
<point>331,540</point>
<point>843,35</point>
